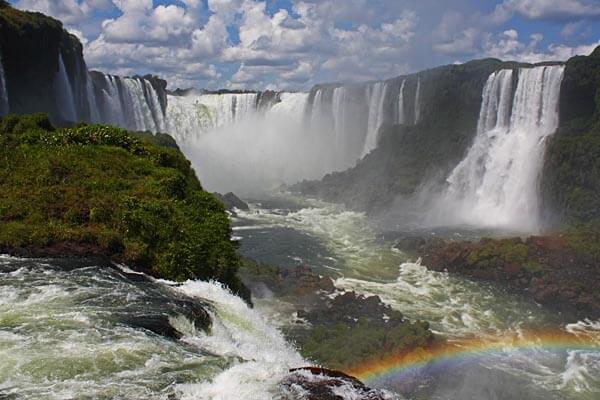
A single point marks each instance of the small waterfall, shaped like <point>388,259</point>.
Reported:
<point>64,93</point>
<point>95,117</point>
<point>401,114</point>
<point>376,95</point>
<point>418,102</point>
<point>497,182</point>
<point>340,113</point>
<point>4,105</point>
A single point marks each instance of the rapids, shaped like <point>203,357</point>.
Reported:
<point>342,244</point>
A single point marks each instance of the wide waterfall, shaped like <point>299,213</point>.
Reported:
<point>4,106</point>
<point>192,115</point>
<point>496,184</point>
<point>131,103</point>
<point>64,93</point>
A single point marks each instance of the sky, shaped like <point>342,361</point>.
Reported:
<point>294,44</point>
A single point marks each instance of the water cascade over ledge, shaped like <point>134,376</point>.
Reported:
<point>496,184</point>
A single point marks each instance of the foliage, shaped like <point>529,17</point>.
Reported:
<point>343,347</point>
<point>571,175</point>
<point>97,190</point>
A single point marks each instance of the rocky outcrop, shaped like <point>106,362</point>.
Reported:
<point>336,329</point>
<point>560,272</point>
<point>313,383</point>
<point>570,180</point>
<point>232,202</point>
<point>30,44</point>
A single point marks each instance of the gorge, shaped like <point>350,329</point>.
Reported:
<point>363,244</point>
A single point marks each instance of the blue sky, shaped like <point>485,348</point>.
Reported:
<point>294,44</point>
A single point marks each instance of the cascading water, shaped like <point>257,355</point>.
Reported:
<point>497,182</point>
<point>64,93</point>
<point>418,102</point>
<point>95,117</point>
<point>193,115</point>
<point>376,95</point>
<point>4,106</point>
<point>401,119</point>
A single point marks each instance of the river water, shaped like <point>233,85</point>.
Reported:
<point>66,327</point>
<point>286,230</point>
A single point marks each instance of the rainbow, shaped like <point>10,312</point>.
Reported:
<point>445,354</point>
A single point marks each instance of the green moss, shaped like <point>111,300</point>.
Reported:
<point>121,195</point>
<point>495,252</point>
<point>342,347</point>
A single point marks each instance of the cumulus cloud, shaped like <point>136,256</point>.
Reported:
<point>548,9</point>
<point>249,44</point>
<point>509,46</point>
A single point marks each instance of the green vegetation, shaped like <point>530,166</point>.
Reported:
<point>571,176</point>
<point>499,252</point>
<point>342,347</point>
<point>97,190</point>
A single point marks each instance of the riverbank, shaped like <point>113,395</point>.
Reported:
<point>558,271</point>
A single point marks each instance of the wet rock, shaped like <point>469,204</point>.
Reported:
<point>158,324</point>
<point>314,383</point>
<point>557,271</point>
<point>231,202</point>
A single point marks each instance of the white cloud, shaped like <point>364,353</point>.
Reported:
<point>508,46</point>
<point>548,9</point>
<point>68,11</point>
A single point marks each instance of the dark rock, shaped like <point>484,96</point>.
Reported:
<point>556,271</point>
<point>158,324</point>
<point>313,383</point>
<point>231,201</point>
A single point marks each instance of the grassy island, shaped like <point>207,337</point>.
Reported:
<point>95,190</point>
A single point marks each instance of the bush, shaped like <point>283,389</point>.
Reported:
<point>104,190</point>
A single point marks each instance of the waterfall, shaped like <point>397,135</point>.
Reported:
<point>497,182</point>
<point>340,113</point>
<point>95,117</point>
<point>64,93</point>
<point>401,115</point>
<point>376,96</point>
<point>4,106</point>
<point>418,102</point>
<point>192,115</point>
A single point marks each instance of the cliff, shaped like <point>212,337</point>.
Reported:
<point>571,176</point>
<point>45,71</point>
<point>409,155</point>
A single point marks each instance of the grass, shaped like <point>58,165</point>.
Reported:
<point>98,190</point>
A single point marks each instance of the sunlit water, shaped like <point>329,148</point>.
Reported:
<point>342,244</point>
<point>64,330</point>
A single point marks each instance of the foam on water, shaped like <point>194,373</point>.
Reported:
<point>59,339</point>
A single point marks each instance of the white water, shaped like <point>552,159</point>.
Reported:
<point>418,102</point>
<point>189,117</point>
<point>58,339</point>
<point>455,307</point>
<point>376,94</point>
<point>4,106</point>
<point>497,182</point>
<point>64,93</point>
<point>401,113</point>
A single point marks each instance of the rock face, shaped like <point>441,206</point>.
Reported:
<point>231,201</point>
<point>560,272</point>
<point>570,181</point>
<point>312,383</point>
<point>30,44</point>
